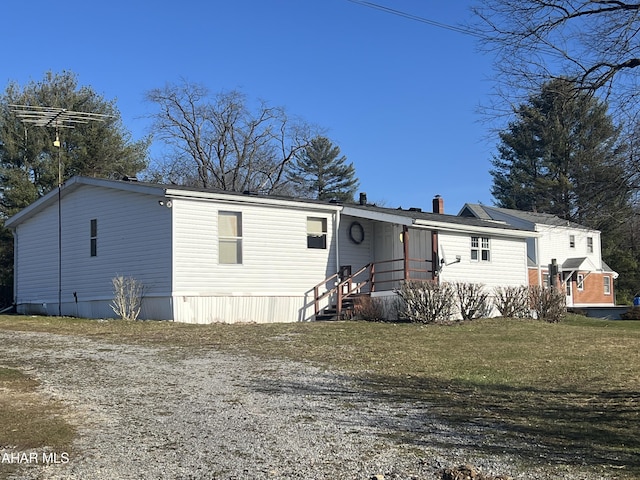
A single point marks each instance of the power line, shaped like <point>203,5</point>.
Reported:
<point>416,18</point>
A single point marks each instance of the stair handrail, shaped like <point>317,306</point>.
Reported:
<point>316,292</point>
<point>350,290</point>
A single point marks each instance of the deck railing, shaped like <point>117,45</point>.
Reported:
<point>354,284</point>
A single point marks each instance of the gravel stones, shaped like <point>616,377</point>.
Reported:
<point>157,412</point>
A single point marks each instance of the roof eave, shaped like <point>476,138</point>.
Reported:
<point>71,185</point>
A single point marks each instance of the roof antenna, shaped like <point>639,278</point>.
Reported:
<point>55,117</point>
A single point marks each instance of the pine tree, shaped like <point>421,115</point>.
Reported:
<point>29,160</point>
<point>562,156</point>
<point>320,172</point>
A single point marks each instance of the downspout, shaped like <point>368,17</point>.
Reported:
<point>539,264</point>
<point>336,233</point>
<point>405,244</point>
<point>435,254</point>
<point>15,267</point>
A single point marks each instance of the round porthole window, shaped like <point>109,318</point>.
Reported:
<point>356,232</point>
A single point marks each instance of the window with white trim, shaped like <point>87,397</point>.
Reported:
<point>480,249</point>
<point>589,244</point>
<point>607,285</point>
<point>316,232</point>
<point>580,282</point>
<point>230,238</point>
<point>572,241</point>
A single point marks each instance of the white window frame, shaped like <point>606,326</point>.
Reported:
<point>317,233</point>
<point>572,241</point>
<point>480,249</point>
<point>226,239</point>
<point>607,284</point>
<point>589,244</point>
<point>580,282</point>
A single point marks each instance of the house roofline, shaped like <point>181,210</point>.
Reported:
<point>73,184</point>
<point>236,197</point>
<point>161,191</point>
<point>408,218</point>
<point>542,220</point>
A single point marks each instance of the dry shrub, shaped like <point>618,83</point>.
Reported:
<point>369,309</point>
<point>548,303</point>
<point>127,297</point>
<point>426,302</point>
<point>473,300</point>
<point>512,302</point>
<point>632,313</point>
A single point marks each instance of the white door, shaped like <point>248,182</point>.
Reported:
<point>568,285</point>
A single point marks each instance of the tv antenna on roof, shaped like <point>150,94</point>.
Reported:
<point>57,118</point>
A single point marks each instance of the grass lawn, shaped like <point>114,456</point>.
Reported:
<point>565,394</point>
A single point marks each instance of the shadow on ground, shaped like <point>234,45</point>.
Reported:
<point>535,426</point>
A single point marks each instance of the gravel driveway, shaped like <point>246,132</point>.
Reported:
<point>155,412</point>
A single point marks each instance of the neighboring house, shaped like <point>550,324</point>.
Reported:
<point>575,249</point>
<point>210,256</point>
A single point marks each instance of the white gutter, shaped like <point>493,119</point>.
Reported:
<point>460,228</point>
<point>250,199</point>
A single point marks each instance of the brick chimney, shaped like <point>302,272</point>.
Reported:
<point>438,204</point>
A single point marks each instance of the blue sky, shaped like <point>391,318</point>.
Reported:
<point>399,97</point>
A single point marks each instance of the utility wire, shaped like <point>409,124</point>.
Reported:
<point>464,31</point>
<point>416,18</point>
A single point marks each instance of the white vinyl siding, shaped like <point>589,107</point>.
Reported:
<point>553,244</point>
<point>508,266</point>
<point>355,254</point>
<point>275,257</point>
<point>134,240</point>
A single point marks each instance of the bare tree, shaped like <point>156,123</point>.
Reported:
<point>592,42</point>
<point>227,145</point>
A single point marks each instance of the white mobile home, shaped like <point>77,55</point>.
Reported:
<point>211,256</point>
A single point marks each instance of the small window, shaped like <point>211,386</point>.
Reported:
<point>545,280</point>
<point>589,244</point>
<point>229,238</point>
<point>607,285</point>
<point>580,282</point>
<point>480,249</point>
<point>572,241</point>
<point>316,232</point>
<point>94,237</point>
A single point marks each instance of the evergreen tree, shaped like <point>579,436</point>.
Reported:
<point>320,172</point>
<point>29,160</point>
<point>562,155</point>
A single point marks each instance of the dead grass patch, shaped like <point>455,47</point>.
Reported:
<point>29,421</point>
<point>565,394</point>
